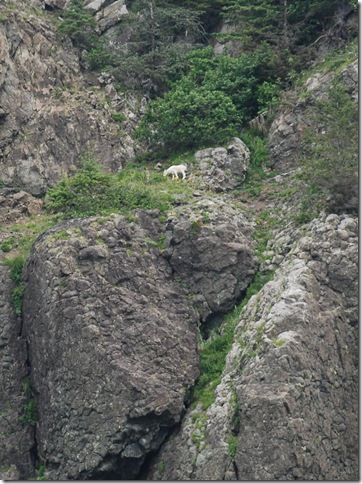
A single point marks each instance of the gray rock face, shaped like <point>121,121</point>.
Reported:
<point>223,169</point>
<point>16,437</point>
<point>287,405</point>
<point>112,346</point>
<point>16,204</point>
<point>287,128</point>
<point>210,250</point>
<point>48,118</point>
<point>111,15</point>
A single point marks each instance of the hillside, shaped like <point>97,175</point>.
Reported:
<point>203,328</point>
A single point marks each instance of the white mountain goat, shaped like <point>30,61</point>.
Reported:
<point>174,170</point>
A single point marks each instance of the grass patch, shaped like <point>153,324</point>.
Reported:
<point>8,244</point>
<point>92,191</point>
<point>30,414</point>
<point>277,342</point>
<point>216,348</point>
<point>256,174</point>
<point>232,443</point>
<point>16,265</point>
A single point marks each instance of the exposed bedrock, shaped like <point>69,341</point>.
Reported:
<point>16,437</point>
<point>211,252</point>
<point>112,346</point>
<point>49,117</point>
<point>112,332</point>
<point>287,405</point>
<point>222,169</point>
<point>289,126</point>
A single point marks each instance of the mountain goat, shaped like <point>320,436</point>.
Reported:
<point>174,170</point>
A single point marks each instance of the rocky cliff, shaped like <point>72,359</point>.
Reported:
<point>285,408</point>
<point>105,329</point>
<point>50,115</point>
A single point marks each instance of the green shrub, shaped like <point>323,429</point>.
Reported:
<point>7,245</point>
<point>79,24</point>
<point>188,117</point>
<point>214,97</point>
<point>90,191</point>
<point>29,415</point>
<point>99,55</point>
<point>233,441</point>
<point>16,265</point>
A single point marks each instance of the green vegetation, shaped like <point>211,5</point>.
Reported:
<point>92,191</point>
<point>210,102</point>
<point>40,473</point>
<point>233,443</point>
<point>16,265</point>
<point>25,233</point>
<point>29,415</point>
<point>8,244</point>
<point>257,145</point>
<point>288,25</point>
<point>152,56</point>
<point>330,159</point>
<point>198,435</point>
<point>215,349</point>
<point>200,98</point>
<point>78,23</point>
<point>277,342</point>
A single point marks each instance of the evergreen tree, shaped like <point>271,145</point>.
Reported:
<point>153,55</point>
<point>282,22</point>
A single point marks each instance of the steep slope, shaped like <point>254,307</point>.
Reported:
<point>114,336</point>
<point>49,115</point>
<point>286,407</point>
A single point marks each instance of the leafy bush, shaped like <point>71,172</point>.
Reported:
<point>186,118</point>
<point>214,97</point>
<point>90,191</point>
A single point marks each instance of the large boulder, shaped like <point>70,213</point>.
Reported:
<point>211,251</point>
<point>112,345</point>
<point>287,405</point>
<point>222,169</point>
